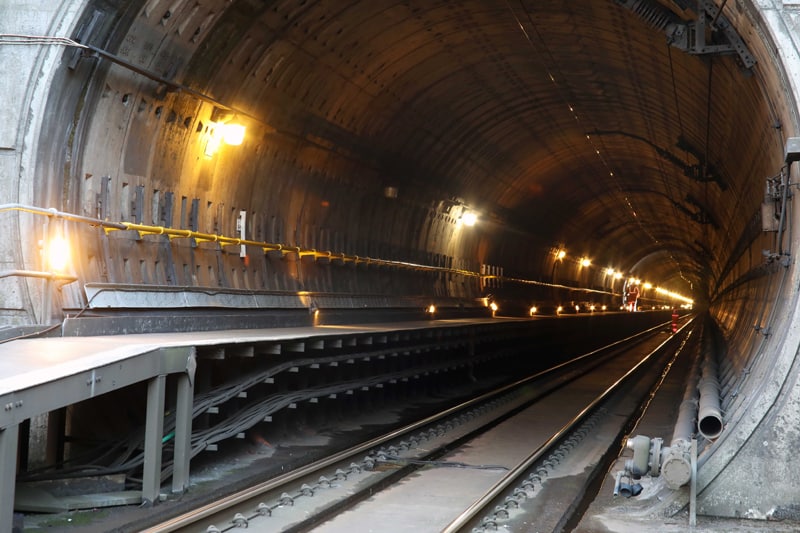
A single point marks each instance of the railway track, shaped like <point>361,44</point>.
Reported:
<point>505,456</point>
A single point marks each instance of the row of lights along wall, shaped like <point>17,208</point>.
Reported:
<point>560,254</point>
<point>57,259</point>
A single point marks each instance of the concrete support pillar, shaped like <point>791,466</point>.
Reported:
<point>8,474</point>
<point>154,433</point>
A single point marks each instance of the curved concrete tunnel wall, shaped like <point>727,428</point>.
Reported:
<point>447,104</point>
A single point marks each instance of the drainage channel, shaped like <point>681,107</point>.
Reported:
<point>317,495</point>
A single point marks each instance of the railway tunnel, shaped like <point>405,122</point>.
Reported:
<point>402,160</point>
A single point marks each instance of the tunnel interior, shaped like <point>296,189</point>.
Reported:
<point>377,131</point>
<point>373,130</point>
<point>417,158</point>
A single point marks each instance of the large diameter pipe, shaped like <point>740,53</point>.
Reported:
<point>684,425</point>
<point>676,459</point>
<point>709,417</point>
<point>687,412</point>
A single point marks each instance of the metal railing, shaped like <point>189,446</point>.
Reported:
<point>283,249</point>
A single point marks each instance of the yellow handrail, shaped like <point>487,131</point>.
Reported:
<point>177,233</point>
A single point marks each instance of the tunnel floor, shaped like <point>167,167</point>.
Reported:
<point>215,474</point>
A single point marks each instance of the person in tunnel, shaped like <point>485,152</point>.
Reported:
<point>632,297</point>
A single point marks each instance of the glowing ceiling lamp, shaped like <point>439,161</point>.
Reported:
<point>232,134</point>
<point>223,129</point>
<point>469,218</point>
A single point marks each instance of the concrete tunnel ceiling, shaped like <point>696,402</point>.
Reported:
<point>571,124</point>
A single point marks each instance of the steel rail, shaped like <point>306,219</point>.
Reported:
<point>515,473</point>
<point>210,509</point>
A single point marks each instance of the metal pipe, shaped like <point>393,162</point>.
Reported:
<point>178,233</point>
<point>687,412</point>
<point>709,421</point>
<point>676,459</point>
<point>617,483</point>
<point>52,212</point>
<point>36,274</point>
<point>709,418</point>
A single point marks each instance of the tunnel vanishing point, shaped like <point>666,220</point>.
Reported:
<point>352,159</point>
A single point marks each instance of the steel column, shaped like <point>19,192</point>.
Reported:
<point>154,433</point>
<point>183,433</point>
<point>8,474</point>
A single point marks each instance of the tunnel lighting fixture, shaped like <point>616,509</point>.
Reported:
<point>221,132</point>
<point>618,275</point>
<point>431,309</point>
<point>648,285</point>
<point>223,128</point>
<point>559,310</point>
<point>533,310</point>
<point>603,308</point>
<point>561,254</point>
<point>469,218</point>
<point>232,133</point>
<point>610,271</point>
<point>674,296</point>
<point>585,262</point>
<point>493,307</point>
<point>58,254</point>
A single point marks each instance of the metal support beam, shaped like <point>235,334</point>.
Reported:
<point>41,392</point>
<point>183,432</point>
<point>8,474</point>
<point>154,433</point>
<point>691,37</point>
<point>693,487</point>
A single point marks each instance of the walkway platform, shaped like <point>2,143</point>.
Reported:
<point>44,374</point>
